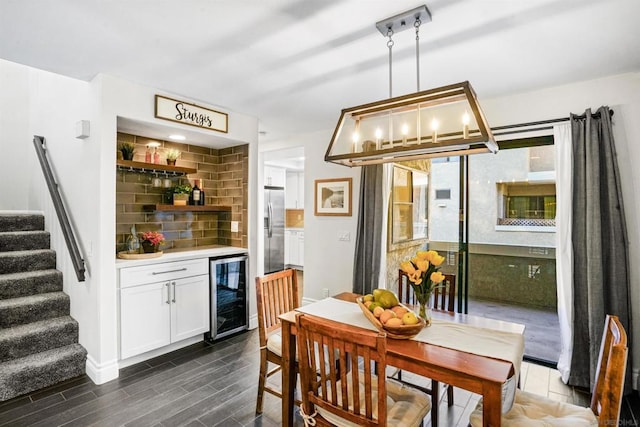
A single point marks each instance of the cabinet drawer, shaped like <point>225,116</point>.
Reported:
<point>134,276</point>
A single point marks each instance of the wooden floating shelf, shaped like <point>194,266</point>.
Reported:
<point>154,167</point>
<point>189,208</point>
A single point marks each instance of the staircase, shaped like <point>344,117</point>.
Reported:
<point>38,339</point>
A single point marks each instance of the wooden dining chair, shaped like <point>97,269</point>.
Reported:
<point>343,381</point>
<point>443,298</point>
<point>276,293</point>
<point>532,409</point>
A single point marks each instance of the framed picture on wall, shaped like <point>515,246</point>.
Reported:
<point>333,197</point>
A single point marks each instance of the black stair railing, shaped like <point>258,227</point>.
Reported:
<point>67,231</point>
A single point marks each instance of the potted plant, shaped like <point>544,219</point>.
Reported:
<point>151,241</point>
<point>172,155</point>
<point>127,149</point>
<point>181,194</point>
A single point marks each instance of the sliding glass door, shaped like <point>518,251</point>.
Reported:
<point>493,217</point>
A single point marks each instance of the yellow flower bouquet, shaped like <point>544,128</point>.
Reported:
<point>424,276</point>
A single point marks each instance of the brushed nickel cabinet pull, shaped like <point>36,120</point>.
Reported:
<point>168,291</point>
<point>174,292</point>
<point>170,271</point>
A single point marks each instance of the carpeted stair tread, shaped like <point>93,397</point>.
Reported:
<point>16,261</point>
<point>36,337</point>
<point>33,372</point>
<point>21,222</point>
<point>26,283</point>
<point>33,308</point>
<point>24,240</point>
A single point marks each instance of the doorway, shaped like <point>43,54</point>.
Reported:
<point>283,179</point>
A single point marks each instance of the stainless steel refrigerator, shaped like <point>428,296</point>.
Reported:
<point>273,229</point>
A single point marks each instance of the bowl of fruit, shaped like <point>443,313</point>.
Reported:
<point>385,312</point>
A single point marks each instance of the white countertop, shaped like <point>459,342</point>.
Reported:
<point>182,254</point>
<point>294,229</point>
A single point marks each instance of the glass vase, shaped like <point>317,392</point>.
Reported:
<point>424,311</point>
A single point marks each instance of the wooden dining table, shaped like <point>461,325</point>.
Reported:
<point>478,374</point>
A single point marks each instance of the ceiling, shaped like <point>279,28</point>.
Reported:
<point>294,64</point>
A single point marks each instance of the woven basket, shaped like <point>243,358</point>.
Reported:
<point>402,332</point>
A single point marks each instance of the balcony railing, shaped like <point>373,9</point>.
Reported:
<point>525,222</point>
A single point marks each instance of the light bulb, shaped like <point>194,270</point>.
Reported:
<point>465,125</point>
<point>434,128</point>
<point>405,132</point>
<point>355,137</point>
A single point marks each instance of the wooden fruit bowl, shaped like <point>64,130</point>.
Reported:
<point>402,332</point>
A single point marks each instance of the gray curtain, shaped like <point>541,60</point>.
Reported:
<point>601,272</point>
<point>366,271</point>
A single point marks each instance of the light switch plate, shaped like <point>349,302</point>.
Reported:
<point>344,236</point>
<point>234,226</point>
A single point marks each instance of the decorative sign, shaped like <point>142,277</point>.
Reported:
<point>190,114</point>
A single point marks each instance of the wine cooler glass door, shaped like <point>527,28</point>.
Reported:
<point>229,299</point>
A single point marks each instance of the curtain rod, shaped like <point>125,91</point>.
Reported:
<point>541,122</point>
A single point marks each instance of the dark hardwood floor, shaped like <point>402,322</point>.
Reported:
<point>204,384</point>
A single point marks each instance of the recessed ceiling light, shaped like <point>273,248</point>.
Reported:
<point>177,137</point>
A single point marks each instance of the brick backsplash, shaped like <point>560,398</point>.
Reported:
<point>224,177</point>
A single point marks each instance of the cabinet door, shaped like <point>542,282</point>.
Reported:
<point>301,249</point>
<point>291,191</point>
<point>301,190</point>
<point>189,307</point>
<point>287,247</point>
<point>145,316</point>
<point>274,177</point>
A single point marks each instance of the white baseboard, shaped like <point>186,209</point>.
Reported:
<point>159,351</point>
<point>253,321</point>
<point>101,373</point>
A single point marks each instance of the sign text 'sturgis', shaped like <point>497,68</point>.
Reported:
<point>190,114</point>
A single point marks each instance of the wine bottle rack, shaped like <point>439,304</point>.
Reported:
<point>142,167</point>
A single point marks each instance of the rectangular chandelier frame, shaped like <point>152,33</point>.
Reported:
<point>425,144</point>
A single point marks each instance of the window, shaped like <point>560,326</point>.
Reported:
<point>409,210</point>
<point>527,204</point>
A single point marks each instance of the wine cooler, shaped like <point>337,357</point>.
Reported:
<point>229,295</point>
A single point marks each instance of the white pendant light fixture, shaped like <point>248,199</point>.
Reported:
<point>441,122</point>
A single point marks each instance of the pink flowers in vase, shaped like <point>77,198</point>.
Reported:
<point>151,240</point>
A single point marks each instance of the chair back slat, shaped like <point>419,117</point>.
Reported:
<point>341,367</point>
<point>443,297</point>
<point>610,373</point>
<point>276,293</point>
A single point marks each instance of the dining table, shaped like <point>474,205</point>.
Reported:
<point>477,373</point>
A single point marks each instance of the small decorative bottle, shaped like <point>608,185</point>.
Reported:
<point>156,156</point>
<point>133,244</point>
<point>147,155</point>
